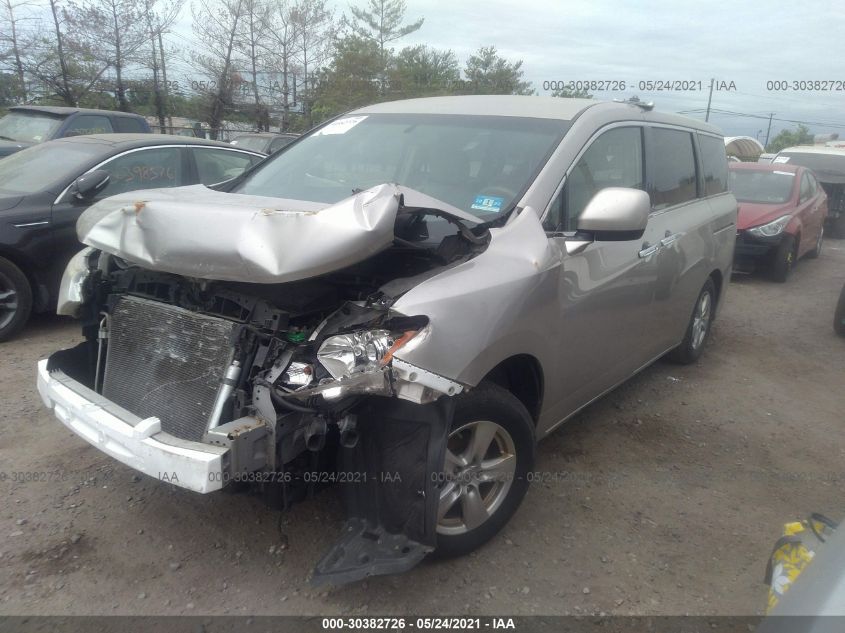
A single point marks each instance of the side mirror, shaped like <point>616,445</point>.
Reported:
<point>87,186</point>
<point>616,214</point>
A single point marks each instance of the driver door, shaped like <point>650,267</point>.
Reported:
<point>605,291</point>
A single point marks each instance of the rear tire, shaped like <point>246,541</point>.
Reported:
<point>839,316</point>
<point>15,299</point>
<point>698,330</point>
<point>784,260</point>
<point>490,453</point>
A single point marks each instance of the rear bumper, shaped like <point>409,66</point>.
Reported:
<point>140,444</point>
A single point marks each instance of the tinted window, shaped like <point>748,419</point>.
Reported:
<point>279,143</point>
<point>88,124</point>
<point>477,163</point>
<point>671,168</point>
<point>806,189</point>
<point>29,127</point>
<point>255,143</point>
<point>714,163</point>
<point>129,124</point>
<point>144,169</point>
<point>614,159</point>
<point>217,165</point>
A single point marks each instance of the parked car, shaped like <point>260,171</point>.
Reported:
<point>782,209</point>
<point>44,189</point>
<point>404,301</point>
<point>264,142</point>
<point>828,165</point>
<point>27,125</point>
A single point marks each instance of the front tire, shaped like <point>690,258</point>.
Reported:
<point>15,299</point>
<point>489,455</point>
<point>785,257</point>
<point>698,330</point>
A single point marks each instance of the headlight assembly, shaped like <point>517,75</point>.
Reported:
<point>365,350</point>
<point>70,290</point>
<point>772,228</point>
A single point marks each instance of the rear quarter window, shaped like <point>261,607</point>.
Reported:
<point>714,164</point>
<point>129,124</point>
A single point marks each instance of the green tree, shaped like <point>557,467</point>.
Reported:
<point>488,73</point>
<point>419,71</point>
<point>788,138</point>
<point>351,79</point>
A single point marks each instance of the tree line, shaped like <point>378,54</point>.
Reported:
<point>270,63</point>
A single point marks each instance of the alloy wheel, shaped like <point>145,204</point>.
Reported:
<point>8,301</point>
<point>701,319</point>
<point>479,470</point>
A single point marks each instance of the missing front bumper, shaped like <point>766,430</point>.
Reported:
<point>138,443</point>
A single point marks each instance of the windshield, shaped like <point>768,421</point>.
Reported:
<point>763,187</point>
<point>28,127</point>
<point>255,143</point>
<point>46,167</point>
<point>827,167</point>
<point>480,164</point>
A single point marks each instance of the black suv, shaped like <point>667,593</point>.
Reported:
<point>27,125</point>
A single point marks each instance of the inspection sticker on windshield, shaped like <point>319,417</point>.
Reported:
<point>491,204</point>
<point>341,126</point>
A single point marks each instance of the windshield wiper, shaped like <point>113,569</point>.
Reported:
<point>8,138</point>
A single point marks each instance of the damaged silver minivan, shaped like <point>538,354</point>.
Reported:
<point>400,302</point>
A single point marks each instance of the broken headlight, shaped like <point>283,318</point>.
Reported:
<point>70,290</point>
<point>347,354</point>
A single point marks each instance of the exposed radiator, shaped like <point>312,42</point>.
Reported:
<point>166,362</point>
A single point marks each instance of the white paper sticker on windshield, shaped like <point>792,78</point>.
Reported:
<point>341,126</point>
<point>783,173</point>
<point>781,159</point>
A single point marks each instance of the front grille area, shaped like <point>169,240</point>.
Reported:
<point>166,362</point>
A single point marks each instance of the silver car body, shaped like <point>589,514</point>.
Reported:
<point>583,322</point>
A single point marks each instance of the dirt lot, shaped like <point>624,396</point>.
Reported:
<point>668,496</point>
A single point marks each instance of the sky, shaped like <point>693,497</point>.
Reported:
<point>748,42</point>
<point>742,44</point>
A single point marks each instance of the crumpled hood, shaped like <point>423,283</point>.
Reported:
<point>198,232</point>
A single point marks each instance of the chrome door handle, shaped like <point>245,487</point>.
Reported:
<point>649,250</point>
<point>670,239</point>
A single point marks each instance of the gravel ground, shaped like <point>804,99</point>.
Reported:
<point>667,497</point>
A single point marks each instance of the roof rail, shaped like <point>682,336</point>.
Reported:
<point>635,100</point>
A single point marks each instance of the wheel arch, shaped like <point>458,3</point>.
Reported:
<point>521,375</point>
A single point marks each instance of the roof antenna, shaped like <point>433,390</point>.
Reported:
<point>647,106</point>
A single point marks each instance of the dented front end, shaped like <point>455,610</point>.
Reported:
<point>190,365</point>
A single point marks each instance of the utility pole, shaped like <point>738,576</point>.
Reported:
<point>766,144</point>
<point>709,101</point>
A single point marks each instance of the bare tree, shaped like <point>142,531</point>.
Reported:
<point>108,31</point>
<point>158,18</point>
<point>317,30</point>
<point>282,42</point>
<point>13,15</point>
<point>253,44</point>
<point>217,28</point>
<point>382,21</point>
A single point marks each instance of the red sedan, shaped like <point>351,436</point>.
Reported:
<point>782,209</point>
